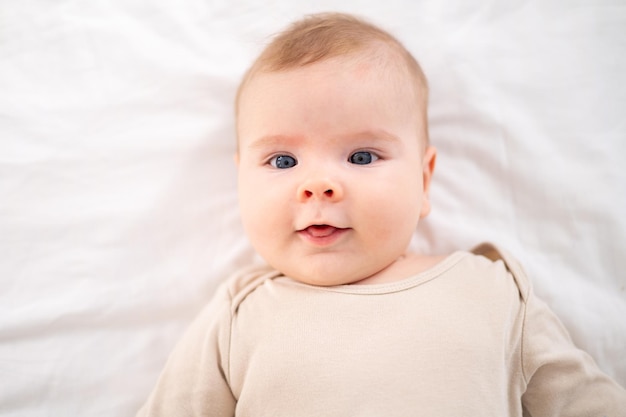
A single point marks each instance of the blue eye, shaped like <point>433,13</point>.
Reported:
<point>362,158</point>
<point>283,162</point>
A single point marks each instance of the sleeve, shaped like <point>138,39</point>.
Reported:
<point>195,379</point>
<point>561,379</point>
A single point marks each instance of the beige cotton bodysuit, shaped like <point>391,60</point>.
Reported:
<point>467,337</point>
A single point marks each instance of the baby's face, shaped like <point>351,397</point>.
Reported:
<point>332,170</point>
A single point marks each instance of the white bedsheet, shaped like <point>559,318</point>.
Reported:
<point>118,211</point>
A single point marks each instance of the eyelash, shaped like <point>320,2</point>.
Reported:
<point>284,161</point>
<point>274,161</point>
<point>371,157</point>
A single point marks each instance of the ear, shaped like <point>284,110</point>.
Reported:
<point>236,159</point>
<point>428,167</point>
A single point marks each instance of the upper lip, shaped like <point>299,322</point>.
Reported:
<point>319,225</point>
<point>321,231</point>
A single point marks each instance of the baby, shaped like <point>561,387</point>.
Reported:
<point>335,168</point>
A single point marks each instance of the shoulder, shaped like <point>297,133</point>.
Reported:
<point>487,272</point>
<point>245,281</point>
<point>493,256</point>
<point>230,293</point>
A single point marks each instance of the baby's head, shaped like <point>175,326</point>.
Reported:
<point>343,37</point>
<point>333,155</point>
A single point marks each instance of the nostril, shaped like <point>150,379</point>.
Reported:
<point>309,193</point>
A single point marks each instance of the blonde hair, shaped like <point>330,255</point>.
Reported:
<point>327,35</point>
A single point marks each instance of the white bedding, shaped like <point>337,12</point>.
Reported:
<point>118,204</point>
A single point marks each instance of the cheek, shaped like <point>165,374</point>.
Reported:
<point>249,203</point>
<point>398,190</point>
<point>392,207</point>
<point>262,203</point>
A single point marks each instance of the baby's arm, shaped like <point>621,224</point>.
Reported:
<point>563,380</point>
<point>194,381</point>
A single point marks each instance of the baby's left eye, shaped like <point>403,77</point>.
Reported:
<point>362,158</point>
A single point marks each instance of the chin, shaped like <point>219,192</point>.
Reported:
<point>322,283</point>
<point>329,277</point>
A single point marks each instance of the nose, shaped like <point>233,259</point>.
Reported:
<point>320,189</point>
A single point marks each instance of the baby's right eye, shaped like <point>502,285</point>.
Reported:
<point>283,161</point>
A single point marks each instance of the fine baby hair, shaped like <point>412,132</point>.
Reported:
<point>328,35</point>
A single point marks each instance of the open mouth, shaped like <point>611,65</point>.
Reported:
<point>321,230</point>
<point>322,234</point>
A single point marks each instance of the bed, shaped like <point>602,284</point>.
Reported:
<point>118,203</point>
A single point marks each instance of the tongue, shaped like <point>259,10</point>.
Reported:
<point>321,231</point>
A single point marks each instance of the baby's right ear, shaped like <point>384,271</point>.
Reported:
<point>236,158</point>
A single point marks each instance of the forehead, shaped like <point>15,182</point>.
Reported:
<point>334,92</point>
<point>382,57</point>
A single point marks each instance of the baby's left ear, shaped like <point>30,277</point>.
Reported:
<point>428,168</point>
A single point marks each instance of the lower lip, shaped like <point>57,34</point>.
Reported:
<point>325,240</point>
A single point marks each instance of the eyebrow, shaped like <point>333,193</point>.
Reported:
<point>273,140</point>
<point>379,134</point>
